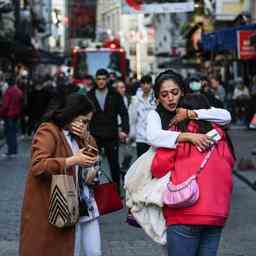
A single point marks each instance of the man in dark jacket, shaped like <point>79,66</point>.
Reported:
<point>104,125</point>
<point>10,111</point>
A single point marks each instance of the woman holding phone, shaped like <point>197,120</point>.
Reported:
<point>61,142</point>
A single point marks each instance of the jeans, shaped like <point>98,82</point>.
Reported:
<point>111,149</point>
<point>87,239</point>
<point>10,131</point>
<point>193,240</point>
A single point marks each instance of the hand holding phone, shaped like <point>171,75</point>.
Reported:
<point>214,136</point>
<point>90,151</point>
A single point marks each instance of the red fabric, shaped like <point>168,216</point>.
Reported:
<point>12,102</point>
<point>135,4</point>
<point>107,198</point>
<point>215,181</point>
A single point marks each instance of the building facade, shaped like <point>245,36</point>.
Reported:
<point>135,33</point>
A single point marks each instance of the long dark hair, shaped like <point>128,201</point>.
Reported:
<point>193,101</point>
<point>66,110</point>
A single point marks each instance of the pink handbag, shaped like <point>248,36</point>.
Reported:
<point>187,193</point>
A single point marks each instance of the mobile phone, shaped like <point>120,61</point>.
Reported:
<point>90,151</point>
<point>213,135</point>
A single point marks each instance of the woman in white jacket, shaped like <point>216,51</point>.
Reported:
<point>142,103</point>
<point>169,88</point>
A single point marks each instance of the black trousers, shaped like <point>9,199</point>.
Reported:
<point>111,149</point>
<point>141,148</point>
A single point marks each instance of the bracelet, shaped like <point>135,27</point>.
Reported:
<point>187,115</point>
<point>191,114</point>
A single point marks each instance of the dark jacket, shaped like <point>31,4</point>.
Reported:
<point>104,124</point>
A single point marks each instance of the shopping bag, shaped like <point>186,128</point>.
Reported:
<point>64,204</point>
<point>107,197</point>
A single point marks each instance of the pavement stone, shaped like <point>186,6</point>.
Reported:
<point>118,237</point>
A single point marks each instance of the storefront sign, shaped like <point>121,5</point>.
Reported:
<point>229,9</point>
<point>246,51</point>
<point>156,6</point>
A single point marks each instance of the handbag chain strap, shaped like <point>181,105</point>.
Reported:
<point>207,157</point>
<point>105,175</point>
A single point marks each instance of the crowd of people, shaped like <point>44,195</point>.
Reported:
<point>170,115</point>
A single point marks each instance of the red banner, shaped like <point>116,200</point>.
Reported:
<point>246,51</point>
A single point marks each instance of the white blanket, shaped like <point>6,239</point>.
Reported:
<point>144,197</point>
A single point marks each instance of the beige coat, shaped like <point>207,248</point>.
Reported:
<point>37,236</point>
<point>144,197</point>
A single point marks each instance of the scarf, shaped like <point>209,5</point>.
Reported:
<point>165,116</point>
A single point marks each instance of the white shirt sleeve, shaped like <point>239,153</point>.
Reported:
<point>216,115</point>
<point>156,136</point>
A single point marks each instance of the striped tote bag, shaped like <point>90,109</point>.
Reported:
<point>64,204</point>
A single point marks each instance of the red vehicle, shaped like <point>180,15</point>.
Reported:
<point>87,61</point>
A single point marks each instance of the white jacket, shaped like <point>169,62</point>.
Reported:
<point>138,112</point>
<point>144,197</point>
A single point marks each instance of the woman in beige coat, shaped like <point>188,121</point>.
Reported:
<point>50,154</point>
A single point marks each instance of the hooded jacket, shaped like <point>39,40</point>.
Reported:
<point>138,112</point>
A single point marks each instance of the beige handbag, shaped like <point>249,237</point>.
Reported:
<point>64,204</point>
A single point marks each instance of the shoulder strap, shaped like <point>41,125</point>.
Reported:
<point>206,158</point>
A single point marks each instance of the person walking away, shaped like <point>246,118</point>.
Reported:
<point>142,103</point>
<point>10,111</point>
<point>104,125</point>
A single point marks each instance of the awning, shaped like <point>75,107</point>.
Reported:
<point>223,40</point>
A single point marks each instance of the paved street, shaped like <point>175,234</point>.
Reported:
<point>239,237</point>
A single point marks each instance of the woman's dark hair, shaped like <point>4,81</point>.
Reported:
<point>195,101</point>
<point>71,106</point>
<point>165,76</point>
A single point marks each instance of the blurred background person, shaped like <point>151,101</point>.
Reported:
<point>125,153</point>
<point>141,104</point>
<point>10,111</point>
<point>104,125</point>
<point>241,99</point>
<point>200,83</point>
<point>217,88</point>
